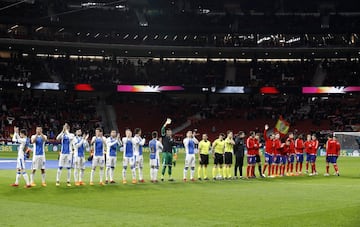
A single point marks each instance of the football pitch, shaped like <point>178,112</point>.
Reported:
<point>287,201</point>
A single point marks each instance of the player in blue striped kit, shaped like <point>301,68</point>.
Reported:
<point>138,153</point>
<point>80,144</point>
<point>189,143</point>
<point>65,159</point>
<point>38,140</point>
<point>128,158</point>
<point>112,143</point>
<point>21,139</point>
<point>155,148</point>
<point>98,142</point>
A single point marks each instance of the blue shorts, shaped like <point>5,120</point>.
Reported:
<point>291,158</point>
<point>251,160</point>
<point>269,159</point>
<point>308,157</point>
<point>312,158</point>
<point>300,158</point>
<point>331,159</point>
<point>283,159</point>
<point>277,159</point>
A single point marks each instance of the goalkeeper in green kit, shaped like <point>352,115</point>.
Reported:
<point>168,144</point>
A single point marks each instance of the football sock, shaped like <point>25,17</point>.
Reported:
<point>26,178</point>
<point>76,175</point>
<point>58,174</point>
<point>92,175</point>
<point>43,177</point>
<point>101,174</point>
<point>68,174</point>
<point>18,174</point>
<point>133,173</point>
<point>185,172</point>
<point>82,171</point>
<point>199,171</point>
<point>214,172</point>
<point>259,168</point>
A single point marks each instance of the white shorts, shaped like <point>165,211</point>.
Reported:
<point>38,162</point>
<point>128,161</point>
<point>20,163</point>
<point>111,161</point>
<point>98,161</point>
<point>65,160</point>
<point>154,162</point>
<point>139,160</point>
<point>79,162</point>
<point>190,160</point>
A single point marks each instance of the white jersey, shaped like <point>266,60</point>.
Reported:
<point>138,144</point>
<point>189,144</point>
<point>22,143</point>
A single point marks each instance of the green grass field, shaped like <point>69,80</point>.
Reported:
<point>288,201</point>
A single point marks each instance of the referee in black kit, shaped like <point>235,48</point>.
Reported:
<point>239,150</point>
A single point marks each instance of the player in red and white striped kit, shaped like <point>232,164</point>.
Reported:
<point>332,154</point>
<point>313,153</point>
<point>299,151</point>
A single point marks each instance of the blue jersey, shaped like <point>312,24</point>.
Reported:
<point>81,148</point>
<point>128,147</point>
<point>112,150</point>
<point>39,145</point>
<point>99,147</point>
<point>152,147</point>
<point>65,144</point>
<point>140,150</point>
<point>190,146</point>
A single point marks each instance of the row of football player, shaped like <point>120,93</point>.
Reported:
<point>279,157</point>
<point>276,154</point>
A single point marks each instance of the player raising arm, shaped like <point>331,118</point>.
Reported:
<point>79,144</point>
<point>128,158</point>
<point>189,144</point>
<point>168,143</point>
<point>269,151</point>
<point>112,143</point>
<point>21,139</point>
<point>65,159</point>
<point>38,162</point>
<point>98,142</point>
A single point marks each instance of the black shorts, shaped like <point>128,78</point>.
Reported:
<point>204,159</point>
<point>257,158</point>
<point>219,159</point>
<point>228,158</point>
